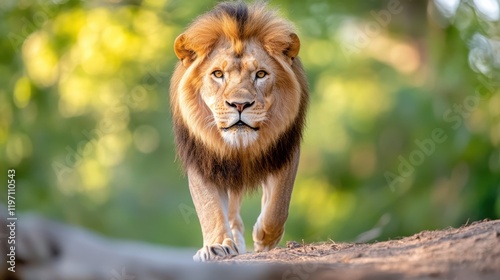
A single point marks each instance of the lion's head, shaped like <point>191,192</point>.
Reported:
<point>239,90</point>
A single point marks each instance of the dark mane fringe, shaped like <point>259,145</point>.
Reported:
<point>238,11</point>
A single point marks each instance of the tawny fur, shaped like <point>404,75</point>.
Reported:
<point>202,147</point>
<point>235,128</point>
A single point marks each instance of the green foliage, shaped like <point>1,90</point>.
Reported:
<point>403,129</point>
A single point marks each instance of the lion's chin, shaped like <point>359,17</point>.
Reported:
<point>239,137</point>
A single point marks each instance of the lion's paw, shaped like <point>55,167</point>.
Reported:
<point>216,251</point>
<point>264,240</point>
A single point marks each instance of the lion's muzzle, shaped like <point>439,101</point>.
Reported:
<point>240,106</point>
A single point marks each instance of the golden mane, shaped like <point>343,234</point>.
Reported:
<point>237,23</point>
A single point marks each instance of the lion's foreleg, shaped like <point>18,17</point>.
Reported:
<point>277,191</point>
<point>211,205</point>
<point>235,221</point>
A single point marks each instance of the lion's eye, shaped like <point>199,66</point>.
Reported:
<point>260,74</point>
<point>218,74</point>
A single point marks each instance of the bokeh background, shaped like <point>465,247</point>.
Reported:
<point>403,128</point>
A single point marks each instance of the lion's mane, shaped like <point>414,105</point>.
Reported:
<point>240,169</point>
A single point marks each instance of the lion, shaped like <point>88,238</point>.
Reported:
<point>238,98</point>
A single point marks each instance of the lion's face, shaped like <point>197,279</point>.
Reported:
<point>239,92</point>
<point>246,99</point>
<point>237,85</point>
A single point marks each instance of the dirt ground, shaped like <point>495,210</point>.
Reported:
<point>47,250</point>
<point>469,252</point>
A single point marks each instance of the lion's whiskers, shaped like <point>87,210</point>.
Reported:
<point>209,120</point>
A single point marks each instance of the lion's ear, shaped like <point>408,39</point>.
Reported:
<point>293,49</point>
<point>186,55</point>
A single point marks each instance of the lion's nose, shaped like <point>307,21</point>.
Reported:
<point>240,106</point>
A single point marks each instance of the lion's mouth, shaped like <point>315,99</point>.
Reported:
<point>240,125</point>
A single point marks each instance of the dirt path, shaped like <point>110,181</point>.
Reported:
<point>469,252</point>
<point>47,250</point>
